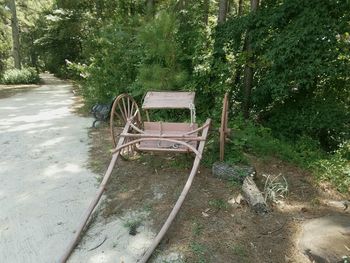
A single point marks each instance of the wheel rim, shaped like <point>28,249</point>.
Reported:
<point>223,127</point>
<point>124,107</point>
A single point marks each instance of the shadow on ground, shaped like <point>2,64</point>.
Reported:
<point>208,228</point>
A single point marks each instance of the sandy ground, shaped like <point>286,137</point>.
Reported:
<point>45,185</point>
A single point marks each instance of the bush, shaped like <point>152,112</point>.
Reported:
<point>257,139</point>
<point>336,169</point>
<point>20,76</point>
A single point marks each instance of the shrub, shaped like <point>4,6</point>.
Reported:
<point>336,169</point>
<point>257,139</point>
<point>20,76</point>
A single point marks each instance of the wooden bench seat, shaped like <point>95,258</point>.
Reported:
<point>169,129</point>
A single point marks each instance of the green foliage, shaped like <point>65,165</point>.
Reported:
<point>113,69</point>
<point>336,168</point>
<point>300,57</point>
<point>218,204</point>
<point>4,51</point>
<point>199,251</point>
<point>60,39</point>
<point>160,67</point>
<point>253,138</point>
<point>301,68</point>
<point>197,228</point>
<point>323,118</point>
<point>23,76</point>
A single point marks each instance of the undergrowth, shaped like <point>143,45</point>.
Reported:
<point>305,152</point>
<point>20,76</point>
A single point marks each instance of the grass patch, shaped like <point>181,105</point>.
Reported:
<point>239,251</point>
<point>199,251</point>
<point>197,229</point>
<point>218,204</point>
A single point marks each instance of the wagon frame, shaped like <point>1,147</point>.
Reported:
<point>153,136</point>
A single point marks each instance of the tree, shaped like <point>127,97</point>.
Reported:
<point>15,34</point>
<point>223,5</point>
<point>150,7</point>
<point>248,70</point>
<point>206,5</point>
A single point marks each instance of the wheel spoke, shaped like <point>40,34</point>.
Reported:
<point>129,114</point>
<point>125,111</point>
<point>132,109</point>
<point>121,111</point>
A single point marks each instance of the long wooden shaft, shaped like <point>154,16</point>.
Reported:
<point>93,203</point>
<point>179,202</point>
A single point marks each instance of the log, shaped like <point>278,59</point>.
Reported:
<point>253,196</point>
<point>232,172</point>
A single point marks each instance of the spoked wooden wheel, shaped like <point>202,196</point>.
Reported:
<point>224,131</point>
<point>124,108</point>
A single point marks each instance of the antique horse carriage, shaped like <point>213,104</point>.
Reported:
<point>136,135</point>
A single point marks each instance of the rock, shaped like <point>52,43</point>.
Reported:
<point>323,240</point>
<point>236,200</point>
<point>232,172</point>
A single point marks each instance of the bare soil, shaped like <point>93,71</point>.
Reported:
<point>208,228</point>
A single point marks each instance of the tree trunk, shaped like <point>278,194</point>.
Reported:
<point>237,78</point>
<point>180,5</point>
<point>240,7</point>
<point>206,4</point>
<point>150,8</point>
<point>222,11</point>
<point>15,34</point>
<point>248,71</point>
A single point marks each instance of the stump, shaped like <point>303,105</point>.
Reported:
<point>253,196</point>
<point>232,172</point>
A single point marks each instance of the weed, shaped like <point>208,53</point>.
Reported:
<point>147,208</point>
<point>132,225</point>
<point>275,187</point>
<point>218,204</point>
<point>180,161</point>
<point>232,182</point>
<point>197,228</point>
<point>98,179</point>
<point>336,168</point>
<point>199,251</point>
<point>239,251</point>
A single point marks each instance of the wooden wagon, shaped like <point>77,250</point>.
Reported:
<point>137,135</point>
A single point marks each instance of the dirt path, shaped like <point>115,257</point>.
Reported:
<point>44,184</point>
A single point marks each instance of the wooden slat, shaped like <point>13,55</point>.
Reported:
<point>168,100</point>
<point>168,128</point>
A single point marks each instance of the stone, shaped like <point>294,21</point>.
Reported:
<point>325,240</point>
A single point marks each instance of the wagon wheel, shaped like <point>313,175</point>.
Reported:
<point>224,131</point>
<point>124,107</point>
